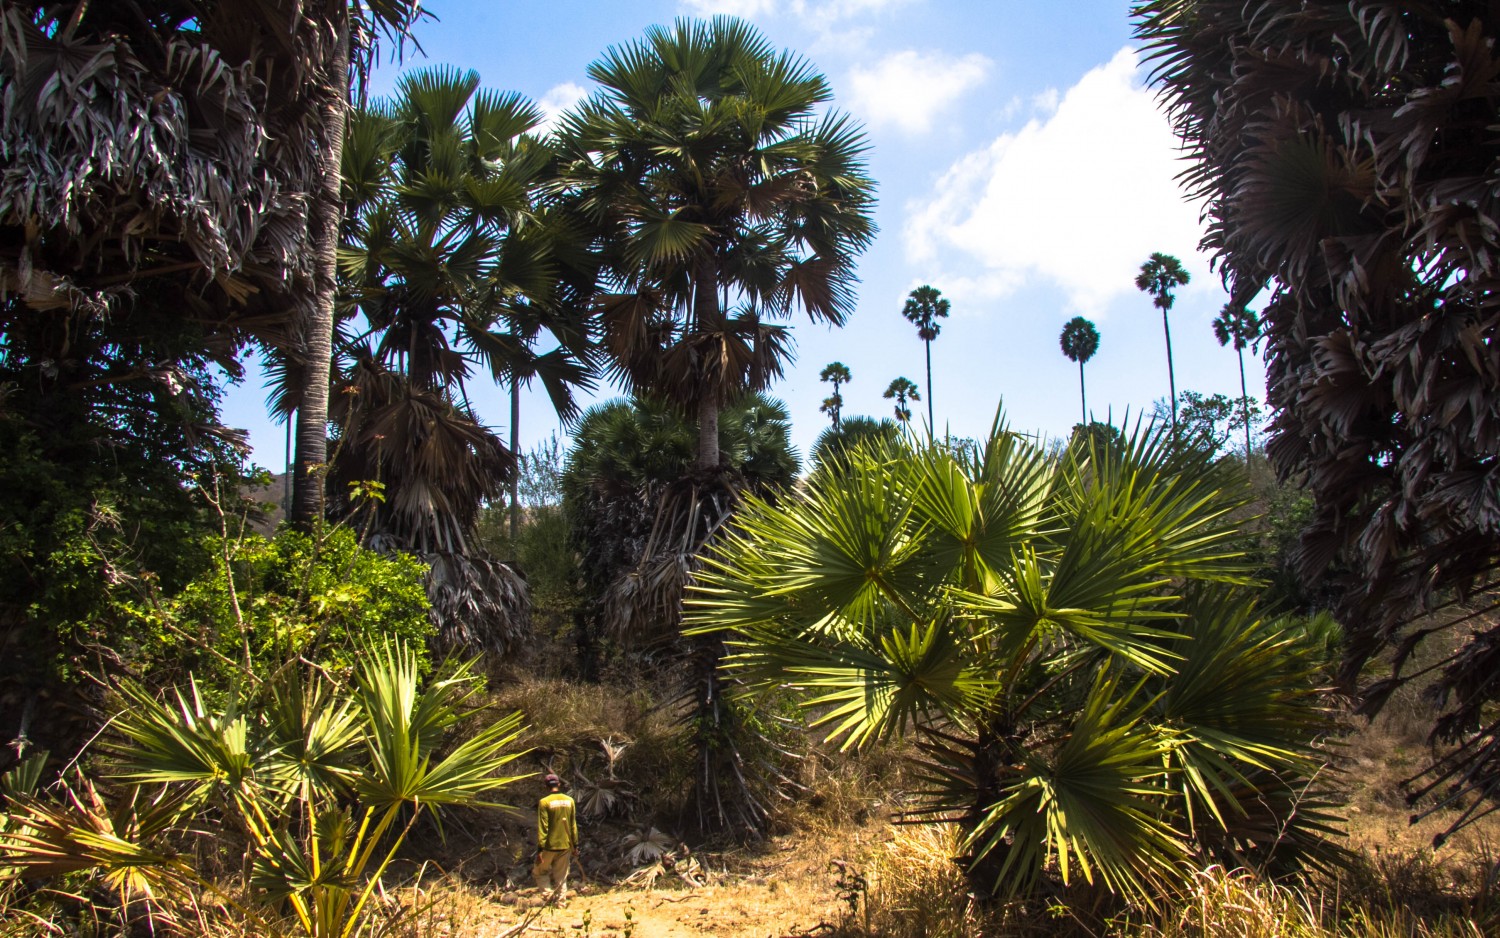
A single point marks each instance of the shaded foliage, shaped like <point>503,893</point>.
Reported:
<point>854,432</point>
<point>1346,156</point>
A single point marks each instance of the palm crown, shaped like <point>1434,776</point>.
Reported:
<point>924,307</point>
<point>722,202</point>
<point>1237,325</point>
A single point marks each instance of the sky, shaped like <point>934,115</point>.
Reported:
<point>1025,169</point>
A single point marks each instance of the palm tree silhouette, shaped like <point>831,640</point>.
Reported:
<point>1159,275</point>
<point>838,374</point>
<point>924,307</point>
<point>1079,341</point>
<point>1241,326</point>
<point>902,389</point>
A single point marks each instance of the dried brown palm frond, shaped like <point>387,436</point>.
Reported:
<point>645,605</point>
<point>438,466</point>
<point>478,602</point>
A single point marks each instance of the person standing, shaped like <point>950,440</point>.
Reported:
<point>556,838</point>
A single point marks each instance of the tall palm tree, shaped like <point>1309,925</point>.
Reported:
<point>1159,276</point>
<point>725,198</point>
<point>334,38</point>
<point>446,268</point>
<point>1079,341</point>
<point>1237,324</point>
<point>924,307</point>
<point>838,374</point>
<point>725,201</point>
<point>902,390</point>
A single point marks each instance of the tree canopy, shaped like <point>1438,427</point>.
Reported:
<point>725,198</point>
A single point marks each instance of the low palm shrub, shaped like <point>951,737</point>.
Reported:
<point>1066,636</point>
<point>313,779</point>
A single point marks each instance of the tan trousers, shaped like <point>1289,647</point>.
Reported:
<point>551,870</point>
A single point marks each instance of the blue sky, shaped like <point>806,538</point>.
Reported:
<point>1024,169</point>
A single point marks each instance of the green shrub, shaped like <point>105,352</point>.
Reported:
<point>292,595</point>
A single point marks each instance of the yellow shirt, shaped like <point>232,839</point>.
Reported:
<point>556,822</point>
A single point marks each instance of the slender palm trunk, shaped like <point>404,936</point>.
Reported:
<point>515,454</point>
<point>838,412</point>
<point>1083,397</point>
<point>931,426</point>
<point>286,498</point>
<point>323,227</point>
<point>1245,403</point>
<point>1171,375</point>
<point>707,312</point>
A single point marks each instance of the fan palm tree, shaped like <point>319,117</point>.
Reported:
<point>1159,276</point>
<point>1241,326</point>
<point>1062,633</point>
<point>901,390</point>
<point>1079,341</point>
<point>447,267</point>
<point>924,307</point>
<point>724,202</point>
<point>838,373</point>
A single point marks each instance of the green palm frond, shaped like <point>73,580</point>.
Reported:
<point>406,722</point>
<point>978,515</point>
<point>315,733</point>
<point>497,118</point>
<point>1094,805</point>
<point>842,553</point>
<point>433,99</point>
<point>206,748</point>
<point>1243,696</point>
<point>902,679</point>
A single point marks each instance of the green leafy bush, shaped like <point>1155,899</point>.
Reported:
<point>315,596</point>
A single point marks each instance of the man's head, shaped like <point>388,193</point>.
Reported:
<point>552,782</point>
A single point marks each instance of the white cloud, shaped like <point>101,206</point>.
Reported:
<point>742,8</point>
<point>558,99</point>
<point>814,12</point>
<point>908,89</point>
<point>1079,198</point>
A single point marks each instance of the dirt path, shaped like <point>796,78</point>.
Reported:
<point>786,890</point>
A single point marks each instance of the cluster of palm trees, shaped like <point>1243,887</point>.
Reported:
<point>1159,277</point>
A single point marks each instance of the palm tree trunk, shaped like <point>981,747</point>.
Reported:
<point>1083,397</point>
<point>515,455</point>
<point>707,313</point>
<point>931,426</point>
<point>325,217</point>
<point>286,480</point>
<point>1171,376</point>
<point>1245,403</point>
<point>708,433</point>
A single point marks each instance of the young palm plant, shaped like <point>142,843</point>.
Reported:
<point>320,780</point>
<point>1063,634</point>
